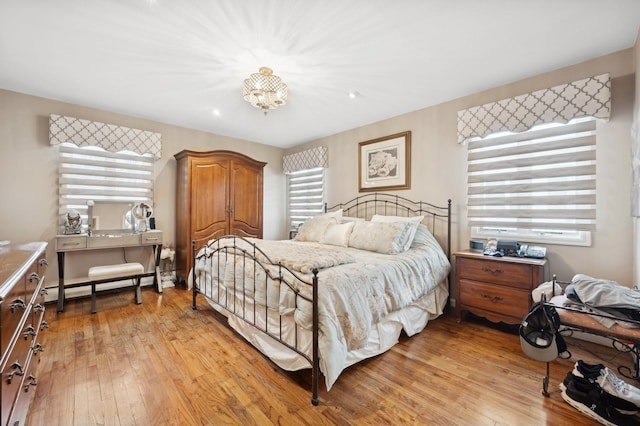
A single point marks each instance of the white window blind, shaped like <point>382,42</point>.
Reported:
<point>305,195</point>
<point>91,173</point>
<point>542,181</point>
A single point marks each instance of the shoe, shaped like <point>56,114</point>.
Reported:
<point>589,399</point>
<point>621,405</point>
<point>613,385</point>
<point>608,381</point>
<point>588,371</point>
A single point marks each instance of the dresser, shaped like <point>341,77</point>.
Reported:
<point>22,272</point>
<point>218,193</point>
<point>496,288</point>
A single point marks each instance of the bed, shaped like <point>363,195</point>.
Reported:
<point>341,291</point>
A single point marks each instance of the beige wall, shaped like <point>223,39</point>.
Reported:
<point>636,115</point>
<point>29,186</point>
<point>28,172</point>
<point>439,165</point>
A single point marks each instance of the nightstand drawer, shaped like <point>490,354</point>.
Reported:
<point>503,300</point>
<point>496,272</point>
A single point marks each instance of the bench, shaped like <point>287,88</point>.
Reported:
<point>109,273</point>
<point>624,339</point>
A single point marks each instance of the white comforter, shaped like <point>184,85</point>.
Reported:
<point>356,289</point>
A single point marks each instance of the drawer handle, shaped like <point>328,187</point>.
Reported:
<point>44,291</point>
<point>492,299</point>
<point>38,348</point>
<point>18,303</point>
<point>17,371</point>
<point>44,325</point>
<point>32,381</point>
<point>492,271</point>
<point>43,262</point>
<point>34,277</point>
<point>152,239</point>
<point>38,308</point>
<point>29,331</point>
<point>70,244</point>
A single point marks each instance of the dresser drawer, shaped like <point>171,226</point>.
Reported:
<point>495,271</point>
<point>35,278</point>
<point>507,301</point>
<point>12,310</point>
<point>12,374</point>
<point>64,243</point>
<point>26,388</point>
<point>151,237</point>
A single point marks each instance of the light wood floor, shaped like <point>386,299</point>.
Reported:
<point>161,363</point>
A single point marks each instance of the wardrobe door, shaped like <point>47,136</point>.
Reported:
<point>246,199</point>
<point>209,199</point>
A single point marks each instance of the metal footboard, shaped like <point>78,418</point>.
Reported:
<point>230,290</point>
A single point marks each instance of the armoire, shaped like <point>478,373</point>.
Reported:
<point>218,193</point>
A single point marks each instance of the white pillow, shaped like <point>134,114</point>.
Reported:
<point>337,234</point>
<point>337,214</point>
<point>423,237</point>
<point>381,237</point>
<point>313,229</point>
<point>414,220</point>
<point>345,219</point>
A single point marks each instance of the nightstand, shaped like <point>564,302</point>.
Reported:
<point>496,288</point>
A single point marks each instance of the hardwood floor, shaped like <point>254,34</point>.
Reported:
<point>161,363</point>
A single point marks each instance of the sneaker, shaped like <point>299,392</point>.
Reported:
<point>621,405</point>
<point>613,385</point>
<point>588,371</point>
<point>608,381</point>
<point>589,399</point>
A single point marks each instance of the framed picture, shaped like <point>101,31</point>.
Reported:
<point>385,163</point>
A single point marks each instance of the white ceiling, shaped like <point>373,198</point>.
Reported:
<point>178,61</point>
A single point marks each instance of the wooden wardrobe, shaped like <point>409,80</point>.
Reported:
<point>218,193</point>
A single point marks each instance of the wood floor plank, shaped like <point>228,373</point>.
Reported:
<point>163,363</point>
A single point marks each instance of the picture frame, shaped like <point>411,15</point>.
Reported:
<point>385,163</point>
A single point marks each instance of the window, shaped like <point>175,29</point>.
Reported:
<point>305,195</point>
<point>535,186</point>
<point>91,173</point>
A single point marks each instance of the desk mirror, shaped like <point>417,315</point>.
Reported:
<point>109,217</point>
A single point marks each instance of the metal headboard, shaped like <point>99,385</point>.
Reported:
<point>365,206</point>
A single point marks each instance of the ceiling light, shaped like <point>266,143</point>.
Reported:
<point>264,90</point>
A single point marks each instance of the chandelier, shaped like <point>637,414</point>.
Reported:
<point>264,90</point>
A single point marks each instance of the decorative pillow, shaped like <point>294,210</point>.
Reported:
<point>337,214</point>
<point>337,234</point>
<point>415,220</point>
<point>345,219</point>
<point>423,237</point>
<point>313,229</point>
<point>381,237</point>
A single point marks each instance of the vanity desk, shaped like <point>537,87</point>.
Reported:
<point>105,241</point>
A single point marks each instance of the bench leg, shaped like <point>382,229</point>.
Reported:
<point>138,292</point>
<point>93,299</point>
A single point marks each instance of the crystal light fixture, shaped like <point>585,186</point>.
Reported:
<point>264,90</point>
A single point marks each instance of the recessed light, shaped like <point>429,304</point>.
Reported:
<point>353,94</point>
<point>216,112</point>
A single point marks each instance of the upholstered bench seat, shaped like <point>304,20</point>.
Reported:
<point>115,271</point>
<point>106,273</point>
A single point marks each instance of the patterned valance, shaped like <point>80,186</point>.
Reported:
<point>309,159</point>
<point>108,136</point>
<point>581,98</point>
